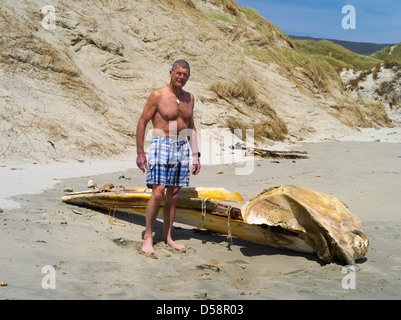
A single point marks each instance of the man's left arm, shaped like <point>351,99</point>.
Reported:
<point>193,141</point>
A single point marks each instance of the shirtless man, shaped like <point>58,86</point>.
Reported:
<point>171,111</point>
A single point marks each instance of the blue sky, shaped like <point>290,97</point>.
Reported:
<point>376,21</point>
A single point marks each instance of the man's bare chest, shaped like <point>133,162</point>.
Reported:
<point>170,110</point>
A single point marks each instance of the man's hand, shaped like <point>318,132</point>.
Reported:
<point>195,165</point>
<point>141,162</point>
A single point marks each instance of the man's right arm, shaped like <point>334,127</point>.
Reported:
<point>148,112</point>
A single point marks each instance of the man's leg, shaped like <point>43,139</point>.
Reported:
<point>168,216</point>
<point>152,209</point>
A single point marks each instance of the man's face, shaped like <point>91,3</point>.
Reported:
<point>179,76</point>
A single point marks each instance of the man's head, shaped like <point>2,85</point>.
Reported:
<point>179,73</point>
<point>182,63</point>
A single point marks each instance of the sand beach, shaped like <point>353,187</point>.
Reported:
<point>96,257</point>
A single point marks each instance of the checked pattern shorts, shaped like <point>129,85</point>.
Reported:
<point>168,162</point>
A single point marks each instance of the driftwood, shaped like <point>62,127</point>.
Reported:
<point>280,154</point>
<point>264,153</point>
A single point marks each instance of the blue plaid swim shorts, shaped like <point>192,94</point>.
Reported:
<point>168,162</point>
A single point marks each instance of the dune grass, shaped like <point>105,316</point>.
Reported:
<point>317,69</point>
<point>228,5</point>
<point>335,54</point>
<point>377,113</point>
<point>389,53</point>
<point>273,128</point>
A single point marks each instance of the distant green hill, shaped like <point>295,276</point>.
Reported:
<point>335,54</point>
<point>389,53</point>
<point>365,48</point>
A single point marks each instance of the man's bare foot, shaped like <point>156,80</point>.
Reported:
<point>174,245</point>
<point>147,246</point>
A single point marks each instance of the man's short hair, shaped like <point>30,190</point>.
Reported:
<point>183,64</point>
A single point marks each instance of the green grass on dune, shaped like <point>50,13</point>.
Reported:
<point>389,54</point>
